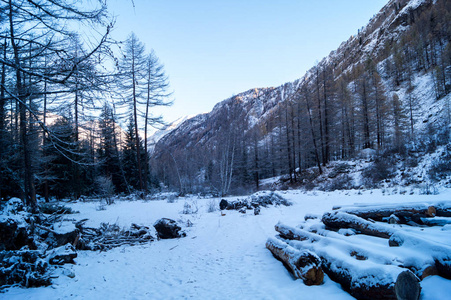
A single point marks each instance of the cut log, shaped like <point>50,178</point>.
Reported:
<point>443,209</point>
<point>337,243</point>
<point>303,265</point>
<point>407,287</point>
<point>405,212</point>
<point>439,252</point>
<point>337,220</point>
<point>437,221</point>
<point>364,279</point>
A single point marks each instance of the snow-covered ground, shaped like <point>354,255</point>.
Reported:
<point>222,257</point>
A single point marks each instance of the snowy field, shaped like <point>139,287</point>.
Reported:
<point>222,257</point>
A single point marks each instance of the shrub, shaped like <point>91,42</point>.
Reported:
<point>382,168</point>
<point>212,206</point>
<point>189,209</point>
<point>57,209</point>
<point>341,182</point>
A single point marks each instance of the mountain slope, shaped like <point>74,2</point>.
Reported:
<point>385,88</point>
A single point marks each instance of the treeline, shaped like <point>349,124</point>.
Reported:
<point>354,99</point>
<point>66,85</point>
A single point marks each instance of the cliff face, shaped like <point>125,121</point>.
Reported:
<point>379,89</point>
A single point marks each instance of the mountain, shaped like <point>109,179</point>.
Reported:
<point>158,134</point>
<point>387,88</point>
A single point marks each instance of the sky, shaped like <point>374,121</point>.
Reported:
<point>213,50</point>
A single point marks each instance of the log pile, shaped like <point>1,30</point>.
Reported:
<point>374,252</point>
<point>109,236</point>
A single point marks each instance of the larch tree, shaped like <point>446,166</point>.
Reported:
<point>132,83</point>
<point>34,29</point>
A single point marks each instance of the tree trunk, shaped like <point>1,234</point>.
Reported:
<point>338,220</point>
<point>315,146</point>
<point>338,243</point>
<point>413,212</point>
<point>362,278</point>
<point>135,116</point>
<point>320,118</point>
<point>366,120</point>
<point>326,122</point>
<point>303,265</point>
<point>29,193</point>
<point>2,113</point>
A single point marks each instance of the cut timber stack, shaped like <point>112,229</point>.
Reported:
<point>364,250</point>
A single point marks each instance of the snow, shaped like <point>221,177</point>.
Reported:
<point>222,256</point>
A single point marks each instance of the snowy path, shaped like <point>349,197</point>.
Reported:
<point>222,257</point>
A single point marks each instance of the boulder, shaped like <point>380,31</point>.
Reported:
<point>168,229</point>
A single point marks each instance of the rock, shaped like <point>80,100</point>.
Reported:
<point>168,229</point>
<point>242,210</point>
<point>62,255</point>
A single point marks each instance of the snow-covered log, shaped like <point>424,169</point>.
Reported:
<point>337,220</point>
<point>420,264</point>
<point>439,252</point>
<point>362,278</point>
<point>303,265</point>
<point>406,212</point>
<point>437,221</point>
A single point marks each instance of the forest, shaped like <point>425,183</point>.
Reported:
<point>65,94</point>
<point>66,85</point>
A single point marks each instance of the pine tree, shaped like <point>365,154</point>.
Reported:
<point>109,164</point>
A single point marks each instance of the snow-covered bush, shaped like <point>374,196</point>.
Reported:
<point>212,206</point>
<point>51,208</point>
<point>189,209</point>
<point>441,168</point>
<point>340,182</point>
<point>265,198</point>
<point>105,188</point>
<point>382,168</point>
<point>340,168</point>
<point>171,198</point>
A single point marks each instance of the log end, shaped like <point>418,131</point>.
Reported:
<point>314,276</point>
<point>407,286</point>
<point>431,212</point>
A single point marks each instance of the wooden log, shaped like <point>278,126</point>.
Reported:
<point>303,265</point>
<point>335,241</point>
<point>440,253</point>
<point>364,279</point>
<point>437,221</point>
<point>337,220</point>
<point>405,212</point>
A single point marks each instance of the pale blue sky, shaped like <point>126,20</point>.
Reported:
<point>215,49</point>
